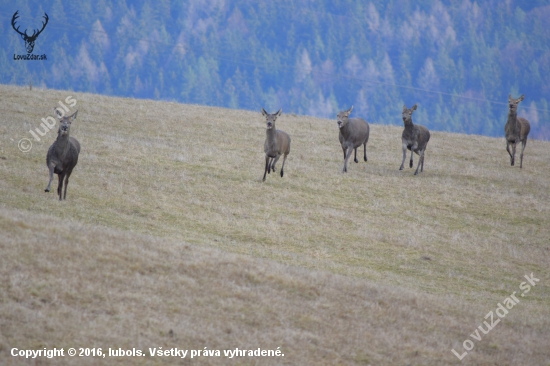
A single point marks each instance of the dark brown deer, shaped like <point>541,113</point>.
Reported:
<point>63,154</point>
<point>414,138</point>
<point>354,132</point>
<point>29,40</point>
<point>277,143</point>
<point>516,130</point>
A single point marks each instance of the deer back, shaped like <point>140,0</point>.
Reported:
<point>356,131</point>
<point>74,142</point>
<point>524,127</point>
<point>283,142</point>
<point>74,151</point>
<point>423,136</point>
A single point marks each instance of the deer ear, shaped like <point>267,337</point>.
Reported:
<point>510,97</point>
<point>522,97</point>
<point>264,112</point>
<point>58,113</point>
<point>414,107</point>
<point>73,117</point>
<point>404,107</point>
<point>279,112</point>
<point>349,111</point>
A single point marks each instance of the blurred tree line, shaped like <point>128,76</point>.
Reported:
<point>458,60</point>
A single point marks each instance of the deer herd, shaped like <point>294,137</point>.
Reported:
<point>353,132</point>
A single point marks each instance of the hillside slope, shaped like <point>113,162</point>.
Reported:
<point>168,238</point>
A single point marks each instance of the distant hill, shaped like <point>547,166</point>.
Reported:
<point>458,60</point>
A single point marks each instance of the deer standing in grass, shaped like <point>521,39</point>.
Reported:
<point>354,132</point>
<point>63,154</point>
<point>414,138</point>
<point>516,130</point>
<point>277,143</point>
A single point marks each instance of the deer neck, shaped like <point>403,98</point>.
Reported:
<point>409,125</point>
<point>512,118</point>
<point>271,133</point>
<point>62,144</point>
<point>512,122</point>
<point>347,130</point>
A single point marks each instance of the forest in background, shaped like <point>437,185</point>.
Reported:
<point>458,60</point>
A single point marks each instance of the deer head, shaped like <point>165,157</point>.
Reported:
<point>271,118</point>
<point>513,103</point>
<point>64,122</point>
<point>342,117</point>
<point>407,113</point>
<point>29,40</point>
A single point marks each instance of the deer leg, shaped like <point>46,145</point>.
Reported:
<point>269,165</point>
<point>266,167</point>
<point>420,159</point>
<point>51,168</point>
<point>404,157</point>
<point>523,143</point>
<point>66,184</point>
<point>513,153</point>
<point>60,184</point>
<point>509,152</point>
<point>65,188</point>
<point>344,150</point>
<point>411,162</point>
<point>348,154</point>
<point>282,171</point>
<point>275,162</point>
<point>423,154</point>
<point>355,156</point>
<point>365,151</point>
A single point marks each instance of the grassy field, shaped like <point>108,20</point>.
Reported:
<point>168,238</point>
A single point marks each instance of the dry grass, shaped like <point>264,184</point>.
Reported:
<point>167,226</point>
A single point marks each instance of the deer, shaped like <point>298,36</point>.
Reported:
<point>63,154</point>
<point>354,132</point>
<point>516,129</point>
<point>29,40</point>
<point>277,143</point>
<point>414,138</point>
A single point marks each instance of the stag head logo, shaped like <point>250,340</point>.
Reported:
<point>29,40</point>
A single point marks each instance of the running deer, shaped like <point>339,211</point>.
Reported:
<point>354,132</point>
<point>414,138</point>
<point>277,143</point>
<point>63,154</point>
<point>516,130</point>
